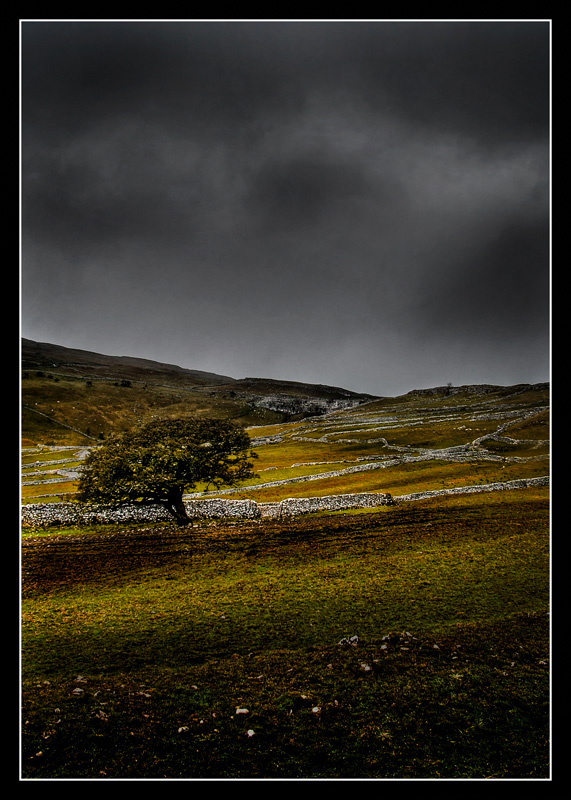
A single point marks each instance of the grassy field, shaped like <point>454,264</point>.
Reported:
<point>72,411</point>
<point>217,652</point>
<point>227,650</point>
<point>506,434</point>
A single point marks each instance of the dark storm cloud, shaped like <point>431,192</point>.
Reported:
<point>326,199</point>
<point>495,287</point>
<point>195,77</point>
<point>486,82</point>
<point>304,190</point>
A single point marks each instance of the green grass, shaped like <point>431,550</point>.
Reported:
<point>74,411</point>
<point>319,444</point>
<point>49,492</point>
<point>169,631</point>
<point>396,480</point>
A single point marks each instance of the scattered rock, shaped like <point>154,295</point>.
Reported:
<point>352,641</point>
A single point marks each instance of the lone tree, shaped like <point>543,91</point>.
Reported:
<point>157,463</point>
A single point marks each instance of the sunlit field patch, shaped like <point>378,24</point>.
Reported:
<point>396,480</point>
<point>49,492</point>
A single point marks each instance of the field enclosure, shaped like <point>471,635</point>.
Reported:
<point>411,641</point>
<point>415,443</point>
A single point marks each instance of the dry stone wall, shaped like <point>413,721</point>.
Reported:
<point>523,483</point>
<point>43,514</point>
<point>76,513</point>
<point>214,508</point>
<point>308,505</point>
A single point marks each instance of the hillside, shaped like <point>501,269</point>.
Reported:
<point>72,396</point>
<point>292,630</point>
<point>64,361</point>
<point>426,440</point>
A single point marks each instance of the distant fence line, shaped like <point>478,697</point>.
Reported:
<point>38,514</point>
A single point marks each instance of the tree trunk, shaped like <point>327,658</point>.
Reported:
<point>177,508</point>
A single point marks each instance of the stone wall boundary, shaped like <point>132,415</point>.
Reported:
<point>46,514</point>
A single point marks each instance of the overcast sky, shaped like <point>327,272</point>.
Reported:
<point>359,204</point>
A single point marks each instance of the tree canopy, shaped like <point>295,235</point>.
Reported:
<point>158,462</point>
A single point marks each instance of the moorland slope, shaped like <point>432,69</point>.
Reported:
<point>74,397</point>
<point>408,640</point>
<point>438,440</point>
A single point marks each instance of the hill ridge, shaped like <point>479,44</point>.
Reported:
<point>96,394</point>
<point>45,354</point>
